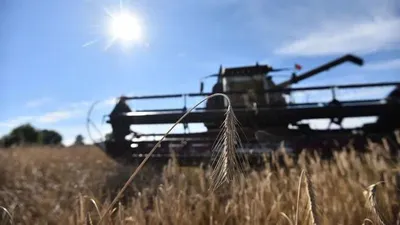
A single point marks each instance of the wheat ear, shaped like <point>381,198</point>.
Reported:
<point>5,211</point>
<point>228,113</point>
<point>311,200</point>
<point>372,202</point>
<point>225,161</point>
<point>298,198</point>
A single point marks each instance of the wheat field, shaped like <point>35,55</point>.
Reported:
<point>74,186</point>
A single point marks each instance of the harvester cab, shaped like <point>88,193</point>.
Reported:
<point>259,105</point>
<point>252,80</point>
<point>246,88</point>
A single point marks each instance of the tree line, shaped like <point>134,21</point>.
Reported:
<point>26,134</point>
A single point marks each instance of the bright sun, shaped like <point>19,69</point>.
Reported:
<point>126,27</point>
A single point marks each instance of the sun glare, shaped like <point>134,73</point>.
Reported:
<point>126,27</point>
<point>122,26</point>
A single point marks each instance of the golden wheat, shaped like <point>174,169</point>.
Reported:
<point>73,186</point>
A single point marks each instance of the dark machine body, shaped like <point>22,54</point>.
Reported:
<point>266,118</point>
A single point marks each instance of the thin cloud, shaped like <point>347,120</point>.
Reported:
<point>55,116</point>
<point>362,37</point>
<point>393,64</point>
<point>11,123</point>
<point>80,104</point>
<point>70,111</point>
<point>323,28</point>
<point>50,117</point>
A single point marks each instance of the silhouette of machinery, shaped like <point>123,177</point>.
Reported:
<point>259,104</point>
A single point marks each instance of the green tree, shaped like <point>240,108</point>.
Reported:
<point>79,140</point>
<point>7,141</point>
<point>49,137</point>
<point>26,134</point>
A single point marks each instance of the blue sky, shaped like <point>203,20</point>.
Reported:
<point>54,60</point>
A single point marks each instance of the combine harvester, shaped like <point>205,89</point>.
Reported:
<point>266,118</point>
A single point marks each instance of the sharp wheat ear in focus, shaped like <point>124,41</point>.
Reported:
<point>230,135</point>
<point>225,161</point>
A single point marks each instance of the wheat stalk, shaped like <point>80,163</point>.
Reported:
<point>227,125</point>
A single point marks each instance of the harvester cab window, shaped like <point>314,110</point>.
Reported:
<point>253,85</point>
<point>254,82</point>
